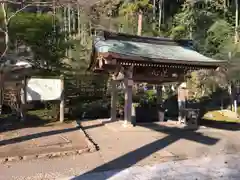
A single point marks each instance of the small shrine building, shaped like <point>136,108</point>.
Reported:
<point>131,58</point>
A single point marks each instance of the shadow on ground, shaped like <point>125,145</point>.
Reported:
<point>47,140</point>
<point>35,136</point>
<point>9,122</point>
<point>231,126</point>
<point>131,158</point>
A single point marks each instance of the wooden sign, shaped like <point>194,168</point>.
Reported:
<point>156,74</point>
<point>39,89</point>
<point>160,73</point>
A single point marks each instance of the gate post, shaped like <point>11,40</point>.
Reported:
<point>1,90</point>
<point>62,100</point>
<point>23,105</point>
<point>159,94</point>
<point>128,83</point>
<point>113,100</point>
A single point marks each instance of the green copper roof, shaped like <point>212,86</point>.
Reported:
<point>153,51</point>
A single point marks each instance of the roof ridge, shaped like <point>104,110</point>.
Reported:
<point>107,35</point>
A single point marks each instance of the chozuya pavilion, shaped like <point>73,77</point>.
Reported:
<point>131,59</point>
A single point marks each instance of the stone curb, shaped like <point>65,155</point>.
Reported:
<point>147,128</point>
<point>91,145</point>
<point>45,155</point>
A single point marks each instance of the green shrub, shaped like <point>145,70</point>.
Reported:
<point>94,109</point>
<point>148,98</point>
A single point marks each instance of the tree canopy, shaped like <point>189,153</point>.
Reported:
<point>212,25</point>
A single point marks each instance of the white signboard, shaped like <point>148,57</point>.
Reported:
<point>43,89</point>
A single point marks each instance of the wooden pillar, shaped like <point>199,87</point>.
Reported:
<point>23,106</point>
<point>128,102</point>
<point>1,90</point>
<point>128,84</point>
<point>113,100</point>
<point>159,94</point>
<point>62,100</point>
<point>159,103</point>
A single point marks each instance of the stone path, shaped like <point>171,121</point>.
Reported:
<point>34,142</point>
<point>127,150</point>
<point>226,167</point>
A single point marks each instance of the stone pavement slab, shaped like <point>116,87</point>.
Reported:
<point>121,151</point>
<point>40,141</point>
<point>161,145</point>
<point>226,167</point>
<point>118,126</point>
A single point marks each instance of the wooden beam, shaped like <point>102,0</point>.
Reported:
<point>144,61</point>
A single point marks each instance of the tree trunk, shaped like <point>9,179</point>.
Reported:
<point>5,21</point>
<point>69,29</point>
<point>154,14</point>
<point>79,21</point>
<point>54,18</point>
<point>159,15</point>
<point>65,26</point>
<point>236,21</point>
<point>5,30</point>
<point>140,15</point>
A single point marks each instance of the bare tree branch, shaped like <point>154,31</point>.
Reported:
<point>58,3</point>
<point>46,3</point>
<point>6,21</point>
<point>14,14</point>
